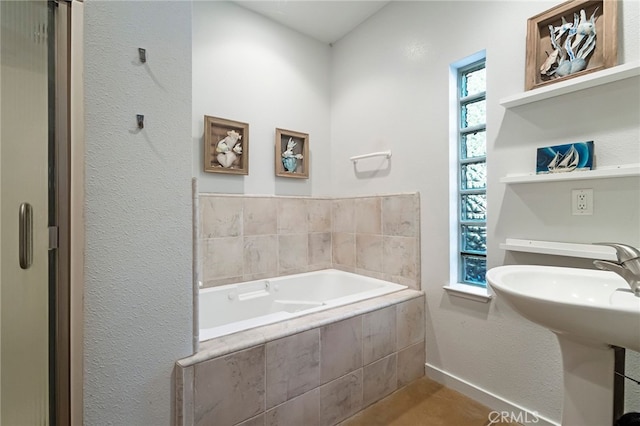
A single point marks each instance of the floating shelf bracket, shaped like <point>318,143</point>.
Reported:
<point>623,170</point>
<point>598,78</point>
<point>586,251</point>
<point>386,154</point>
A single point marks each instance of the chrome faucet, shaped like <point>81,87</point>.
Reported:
<point>627,266</point>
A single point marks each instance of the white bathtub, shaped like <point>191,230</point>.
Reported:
<point>236,307</point>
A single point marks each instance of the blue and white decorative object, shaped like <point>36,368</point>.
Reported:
<point>565,158</point>
<point>290,163</point>
<point>289,159</point>
<point>570,56</point>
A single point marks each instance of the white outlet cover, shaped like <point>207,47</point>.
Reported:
<point>582,202</point>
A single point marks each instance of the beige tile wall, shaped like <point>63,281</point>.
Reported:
<point>378,237</point>
<point>244,238</point>
<point>247,238</point>
<point>320,376</point>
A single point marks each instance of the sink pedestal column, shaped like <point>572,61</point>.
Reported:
<point>588,382</point>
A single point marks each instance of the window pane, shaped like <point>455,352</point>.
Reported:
<point>474,113</point>
<point>474,239</point>
<point>474,176</point>
<point>472,197</point>
<point>474,82</point>
<point>474,144</point>
<point>474,207</point>
<point>474,269</point>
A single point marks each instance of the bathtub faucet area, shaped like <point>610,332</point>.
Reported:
<point>627,266</point>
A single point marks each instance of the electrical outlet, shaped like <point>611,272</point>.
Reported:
<point>582,202</point>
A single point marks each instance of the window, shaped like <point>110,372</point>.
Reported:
<point>471,189</point>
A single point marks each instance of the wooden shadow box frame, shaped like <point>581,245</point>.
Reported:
<point>226,146</point>
<point>301,148</point>
<point>604,55</point>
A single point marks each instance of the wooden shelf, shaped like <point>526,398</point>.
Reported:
<point>609,75</point>
<point>605,172</point>
<point>585,251</point>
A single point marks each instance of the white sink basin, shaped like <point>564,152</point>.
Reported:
<point>591,304</point>
<point>588,310</point>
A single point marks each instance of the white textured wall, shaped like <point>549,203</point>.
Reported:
<point>138,303</point>
<point>248,68</point>
<point>390,85</point>
<point>388,90</point>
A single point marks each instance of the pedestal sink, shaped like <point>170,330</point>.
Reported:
<point>588,310</point>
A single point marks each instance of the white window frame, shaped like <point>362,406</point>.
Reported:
<point>456,286</point>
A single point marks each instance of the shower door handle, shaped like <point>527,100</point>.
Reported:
<point>25,235</point>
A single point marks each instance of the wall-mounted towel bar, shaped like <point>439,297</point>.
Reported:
<point>386,154</point>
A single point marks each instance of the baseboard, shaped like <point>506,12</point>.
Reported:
<point>499,404</point>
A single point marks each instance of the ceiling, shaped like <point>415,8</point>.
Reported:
<point>326,21</point>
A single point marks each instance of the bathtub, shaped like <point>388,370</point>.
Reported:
<point>232,308</point>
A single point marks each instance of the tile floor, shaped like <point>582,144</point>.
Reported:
<point>425,403</point>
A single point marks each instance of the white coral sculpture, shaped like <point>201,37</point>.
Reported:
<point>289,151</point>
<point>229,148</point>
<point>580,41</point>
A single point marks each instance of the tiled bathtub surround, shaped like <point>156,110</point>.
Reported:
<point>315,370</point>
<point>244,238</point>
<point>324,367</point>
<point>378,236</point>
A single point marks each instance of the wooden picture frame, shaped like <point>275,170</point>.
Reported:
<point>540,48</point>
<point>292,154</point>
<point>226,146</point>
